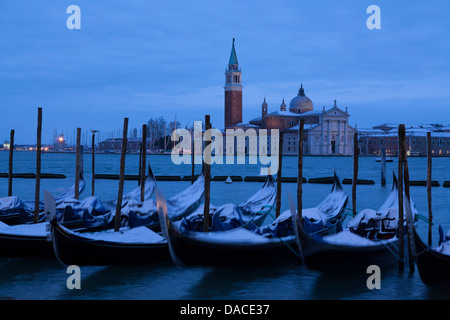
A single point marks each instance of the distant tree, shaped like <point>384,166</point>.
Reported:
<point>134,133</point>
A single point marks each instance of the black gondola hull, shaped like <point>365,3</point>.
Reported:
<point>12,246</point>
<point>192,248</point>
<point>192,252</point>
<point>72,250</point>
<point>433,266</point>
<point>325,256</point>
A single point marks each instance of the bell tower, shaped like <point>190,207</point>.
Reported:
<point>233,91</point>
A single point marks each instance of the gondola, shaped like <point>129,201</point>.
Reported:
<point>24,240</point>
<point>370,237</point>
<point>14,211</point>
<point>249,244</point>
<point>131,245</point>
<point>433,264</point>
<point>92,212</point>
<point>117,248</point>
<point>228,216</point>
<point>179,206</point>
<point>135,213</point>
<point>31,239</point>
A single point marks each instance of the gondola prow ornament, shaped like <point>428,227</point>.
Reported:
<point>164,221</point>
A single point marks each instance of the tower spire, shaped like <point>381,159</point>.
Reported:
<point>233,56</point>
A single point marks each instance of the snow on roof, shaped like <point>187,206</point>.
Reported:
<point>310,113</point>
<point>409,133</point>
<point>284,113</point>
<point>256,119</point>
<point>247,125</point>
<point>307,126</point>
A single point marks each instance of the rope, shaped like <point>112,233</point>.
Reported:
<point>391,250</point>
<point>295,252</point>
<point>424,219</point>
<point>347,212</point>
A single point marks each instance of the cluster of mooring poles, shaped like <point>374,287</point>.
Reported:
<point>403,177</point>
<point>79,166</point>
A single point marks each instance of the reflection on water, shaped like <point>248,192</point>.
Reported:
<point>46,279</point>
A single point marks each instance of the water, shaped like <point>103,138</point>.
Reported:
<point>23,278</point>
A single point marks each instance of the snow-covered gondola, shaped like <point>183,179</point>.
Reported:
<point>135,213</point>
<point>129,246</point>
<point>138,245</point>
<point>92,212</point>
<point>433,263</point>
<point>228,216</point>
<point>134,244</point>
<point>370,237</point>
<point>25,240</point>
<point>250,244</point>
<point>14,211</point>
<point>31,239</point>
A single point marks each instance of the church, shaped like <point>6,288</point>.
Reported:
<point>326,131</point>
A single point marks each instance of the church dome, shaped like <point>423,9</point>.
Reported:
<point>301,103</point>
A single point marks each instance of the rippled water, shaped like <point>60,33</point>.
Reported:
<point>46,279</point>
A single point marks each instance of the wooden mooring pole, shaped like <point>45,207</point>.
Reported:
<point>300,173</point>
<point>383,166</point>
<point>143,160</point>
<point>192,160</point>
<point>78,165</point>
<point>408,197</point>
<point>121,174</point>
<point>279,175</point>
<point>10,169</point>
<point>430,211</point>
<point>38,167</point>
<point>355,171</point>
<point>207,164</point>
<point>93,165</point>
<point>140,164</point>
<point>401,249</point>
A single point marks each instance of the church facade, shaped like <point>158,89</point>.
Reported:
<point>326,132</point>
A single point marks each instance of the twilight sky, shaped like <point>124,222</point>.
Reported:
<point>144,59</point>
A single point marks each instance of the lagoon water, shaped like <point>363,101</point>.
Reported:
<point>22,278</point>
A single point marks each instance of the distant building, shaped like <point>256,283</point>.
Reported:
<point>327,132</point>
<point>371,141</point>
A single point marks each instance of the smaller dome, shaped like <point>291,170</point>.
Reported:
<point>301,103</point>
